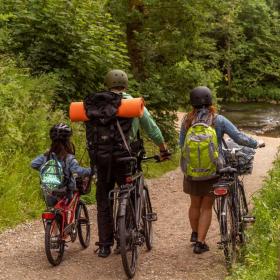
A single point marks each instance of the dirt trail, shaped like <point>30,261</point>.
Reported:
<point>22,249</point>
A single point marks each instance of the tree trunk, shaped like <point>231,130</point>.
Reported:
<point>134,26</point>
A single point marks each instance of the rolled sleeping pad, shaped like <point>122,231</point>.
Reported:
<point>129,108</point>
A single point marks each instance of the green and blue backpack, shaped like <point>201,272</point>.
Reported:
<point>52,175</point>
<point>199,154</point>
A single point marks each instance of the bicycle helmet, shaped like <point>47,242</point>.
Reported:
<point>60,131</point>
<point>201,96</point>
<point>116,78</point>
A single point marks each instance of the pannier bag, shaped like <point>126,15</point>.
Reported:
<point>199,155</point>
<point>239,157</point>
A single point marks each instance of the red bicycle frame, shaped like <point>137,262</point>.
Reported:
<point>66,211</point>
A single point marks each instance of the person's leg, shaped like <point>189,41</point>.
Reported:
<point>194,212</point>
<point>104,212</point>
<point>204,224</point>
<point>205,217</point>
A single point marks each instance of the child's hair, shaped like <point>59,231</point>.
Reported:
<point>192,115</point>
<point>61,148</point>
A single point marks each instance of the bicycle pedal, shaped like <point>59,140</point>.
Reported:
<point>151,217</point>
<point>249,219</point>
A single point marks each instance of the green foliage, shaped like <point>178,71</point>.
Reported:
<point>262,252</point>
<point>175,55</point>
<point>75,39</point>
<point>25,118</point>
<point>231,46</point>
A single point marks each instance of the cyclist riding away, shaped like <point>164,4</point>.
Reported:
<point>200,139</point>
<point>60,156</point>
<point>109,138</point>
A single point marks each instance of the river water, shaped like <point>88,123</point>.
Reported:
<point>257,118</point>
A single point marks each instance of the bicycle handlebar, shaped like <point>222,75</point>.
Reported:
<point>261,144</point>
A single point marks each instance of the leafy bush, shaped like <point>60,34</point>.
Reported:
<point>25,118</point>
<point>75,39</point>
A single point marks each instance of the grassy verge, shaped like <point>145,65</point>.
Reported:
<point>262,252</point>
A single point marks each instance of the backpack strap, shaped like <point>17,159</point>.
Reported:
<point>123,137</point>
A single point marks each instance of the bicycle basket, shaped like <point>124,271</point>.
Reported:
<point>239,157</point>
<point>83,184</point>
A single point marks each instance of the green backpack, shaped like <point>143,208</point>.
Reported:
<point>199,155</point>
<point>51,175</point>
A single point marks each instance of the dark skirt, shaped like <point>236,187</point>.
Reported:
<point>199,188</point>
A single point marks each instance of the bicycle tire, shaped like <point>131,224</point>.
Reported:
<point>148,225</point>
<point>243,211</point>
<point>126,233</point>
<point>54,245</point>
<point>83,225</point>
<point>227,230</point>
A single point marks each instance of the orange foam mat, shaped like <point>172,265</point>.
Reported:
<point>129,108</point>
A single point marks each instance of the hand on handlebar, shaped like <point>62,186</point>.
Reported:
<point>165,155</point>
<point>261,144</point>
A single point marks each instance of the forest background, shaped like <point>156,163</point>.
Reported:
<point>55,51</point>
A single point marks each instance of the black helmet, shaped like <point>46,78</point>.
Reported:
<point>60,131</point>
<point>201,96</point>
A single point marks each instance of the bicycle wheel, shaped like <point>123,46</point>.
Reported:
<point>146,213</point>
<point>54,245</point>
<point>127,234</point>
<point>227,229</point>
<point>83,225</point>
<point>243,212</point>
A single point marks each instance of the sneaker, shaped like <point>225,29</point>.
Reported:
<point>104,251</point>
<point>200,248</point>
<point>193,237</point>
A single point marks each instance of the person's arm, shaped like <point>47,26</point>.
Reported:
<point>75,168</point>
<point>233,132</point>
<point>38,162</point>
<point>151,128</point>
<point>182,134</point>
<point>154,133</point>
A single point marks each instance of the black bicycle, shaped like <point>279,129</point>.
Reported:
<point>231,205</point>
<point>229,192</point>
<point>132,213</point>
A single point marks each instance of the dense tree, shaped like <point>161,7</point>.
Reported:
<point>76,39</point>
<point>223,44</point>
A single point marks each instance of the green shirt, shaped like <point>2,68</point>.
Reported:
<point>147,124</point>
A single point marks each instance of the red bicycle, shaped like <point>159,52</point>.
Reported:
<point>63,223</point>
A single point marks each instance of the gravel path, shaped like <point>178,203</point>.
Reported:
<point>22,249</point>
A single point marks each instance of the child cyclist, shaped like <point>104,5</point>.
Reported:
<point>63,151</point>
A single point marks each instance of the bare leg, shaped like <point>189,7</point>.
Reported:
<point>194,211</point>
<point>205,217</point>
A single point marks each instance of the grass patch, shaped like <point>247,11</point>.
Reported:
<point>262,252</point>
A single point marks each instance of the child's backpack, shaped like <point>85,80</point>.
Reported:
<point>52,175</point>
<point>107,134</point>
<point>199,155</point>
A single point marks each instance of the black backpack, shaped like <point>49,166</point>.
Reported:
<point>104,130</point>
